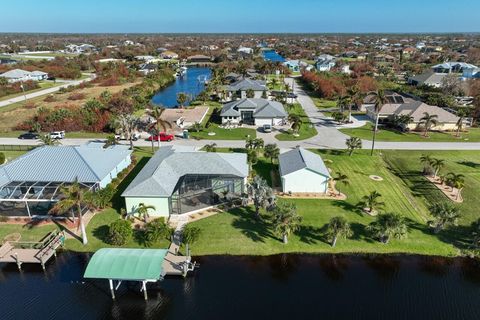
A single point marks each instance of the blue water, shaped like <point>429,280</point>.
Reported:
<point>272,55</point>
<point>189,84</point>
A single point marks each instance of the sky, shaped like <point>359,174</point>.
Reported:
<point>240,16</point>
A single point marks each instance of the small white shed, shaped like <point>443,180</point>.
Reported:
<point>303,171</point>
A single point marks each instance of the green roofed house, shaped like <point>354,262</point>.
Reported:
<point>182,180</point>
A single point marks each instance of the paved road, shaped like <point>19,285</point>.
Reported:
<point>32,95</point>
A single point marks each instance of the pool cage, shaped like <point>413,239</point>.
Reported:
<point>33,199</point>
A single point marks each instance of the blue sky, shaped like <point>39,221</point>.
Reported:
<point>222,16</point>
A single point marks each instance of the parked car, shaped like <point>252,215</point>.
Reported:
<point>135,136</point>
<point>57,134</point>
<point>267,128</point>
<point>292,95</point>
<point>162,137</point>
<point>28,135</point>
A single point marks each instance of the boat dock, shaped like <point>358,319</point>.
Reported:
<point>32,252</point>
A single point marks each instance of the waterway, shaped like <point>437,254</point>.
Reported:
<point>276,287</point>
<point>272,55</point>
<point>192,83</point>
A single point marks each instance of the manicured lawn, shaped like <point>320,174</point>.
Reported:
<point>28,234</point>
<point>306,131</point>
<point>324,103</point>
<point>43,85</point>
<point>237,232</point>
<point>223,134</point>
<point>365,132</point>
<point>279,85</point>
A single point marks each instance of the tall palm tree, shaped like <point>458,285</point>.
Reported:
<point>128,124</point>
<point>73,198</point>
<point>271,151</point>
<point>427,121</point>
<point>157,114</point>
<point>388,225</point>
<point>437,165</point>
<point>190,235</point>
<point>286,220</point>
<point>352,144</point>
<point>461,114</point>
<point>339,178</point>
<point>344,102</point>
<point>142,211</point>
<point>338,227</point>
<point>295,123</point>
<point>444,214</point>
<point>380,101</point>
<point>372,201</point>
<point>426,160</point>
<point>261,194</point>
<point>355,99</point>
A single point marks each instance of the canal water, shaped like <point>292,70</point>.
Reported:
<point>192,83</point>
<point>276,287</point>
<point>272,55</point>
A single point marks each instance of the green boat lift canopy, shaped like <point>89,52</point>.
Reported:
<point>127,264</point>
<point>145,265</point>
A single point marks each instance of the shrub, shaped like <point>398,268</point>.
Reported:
<point>3,219</point>
<point>119,232</point>
<point>155,230</point>
<point>2,158</point>
<point>77,96</point>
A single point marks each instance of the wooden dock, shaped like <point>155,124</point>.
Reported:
<point>32,252</point>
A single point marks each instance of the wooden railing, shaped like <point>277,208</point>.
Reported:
<point>37,245</point>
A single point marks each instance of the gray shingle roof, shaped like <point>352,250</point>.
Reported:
<point>87,163</point>
<point>246,84</point>
<point>429,78</point>
<point>298,159</point>
<point>161,174</point>
<point>261,108</point>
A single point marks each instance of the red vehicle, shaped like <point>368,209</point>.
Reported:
<point>162,137</point>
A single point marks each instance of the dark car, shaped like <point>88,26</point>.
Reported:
<point>292,95</point>
<point>28,135</point>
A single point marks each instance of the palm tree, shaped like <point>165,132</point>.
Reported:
<point>356,99</point>
<point>461,114</point>
<point>190,235</point>
<point>286,220</point>
<point>252,158</point>
<point>271,151</point>
<point>372,201</point>
<point>339,178</point>
<point>73,198</point>
<point>212,147</point>
<point>402,121</point>
<point>427,121</point>
<point>142,211</point>
<point>388,225</point>
<point>295,123</point>
<point>110,141</point>
<point>196,127</point>
<point>426,160</point>
<point>338,227</point>
<point>128,124</point>
<point>444,214</point>
<point>182,99</point>
<point>261,194</point>
<point>343,102</point>
<point>437,165</point>
<point>456,180</point>
<point>48,141</point>
<point>380,101</point>
<point>160,123</point>
<point>352,144</point>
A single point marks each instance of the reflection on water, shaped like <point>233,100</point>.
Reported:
<point>287,286</point>
<point>192,83</point>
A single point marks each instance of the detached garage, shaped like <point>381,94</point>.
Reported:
<point>302,171</point>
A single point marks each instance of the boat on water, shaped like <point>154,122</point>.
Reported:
<point>181,72</point>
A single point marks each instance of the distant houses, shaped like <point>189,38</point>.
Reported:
<point>256,112</point>
<point>434,77</point>
<point>18,75</point>
<point>239,88</point>
<point>199,59</point>
<point>325,62</point>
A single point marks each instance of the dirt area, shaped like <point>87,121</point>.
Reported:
<point>12,115</point>
<point>452,193</point>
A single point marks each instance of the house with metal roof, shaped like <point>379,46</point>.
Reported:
<point>17,75</point>
<point>303,171</point>
<point>429,78</point>
<point>181,180</point>
<point>31,184</point>
<point>239,88</point>
<point>254,111</point>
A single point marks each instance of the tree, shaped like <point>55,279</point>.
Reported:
<point>380,101</point>
<point>451,84</point>
<point>110,141</point>
<point>119,232</point>
<point>212,147</point>
<point>73,198</point>
<point>444,214</point>
<point>295,123</point>
<point>128,124</point>
<point>286,220</point>
<point>157,114</point>
<point>182,99</point>
<point>340,178</point>
<point>402,121</point>
<point>437,165</point>
<point>388,225</point>
<point>372,201</point>
<point>344,102</point>
<point>190,235</point>
<point>456,180</point>
<point>197,127</point>
<point>2,158</point>
<point>461,114</point>
<point>252,158</point>
<point>48,141</point>
<point>426,160</point>
<point>352,144</point>
<point>154,230</point>
<point>338,227</point>
<point>339,117</point>
<point>250,93</point>
<point>427,121</point>
<point>271,151</point>
<point>261,194</point>
<point>143,210</point>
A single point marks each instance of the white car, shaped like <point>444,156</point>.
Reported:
<point>267,128</point>
<point>57,134</point>
<point>135,136</point>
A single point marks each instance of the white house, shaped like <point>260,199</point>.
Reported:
<point>254,111</point>
<point>17,75</point>
<point>303,171</point>
<point>325,62</point>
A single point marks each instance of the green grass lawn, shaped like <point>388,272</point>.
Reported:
<point>306,131</point>
<point>10,155</point>
<point>365,132</point>
<point>43,85</point>
<point>324,103</point>
<point>223,134</point>
<point>237,232</point>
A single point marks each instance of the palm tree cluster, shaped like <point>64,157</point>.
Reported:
<point>353,143</point>
<point>433,166</point>
<point>387,226</point>
<point>427,122</point>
